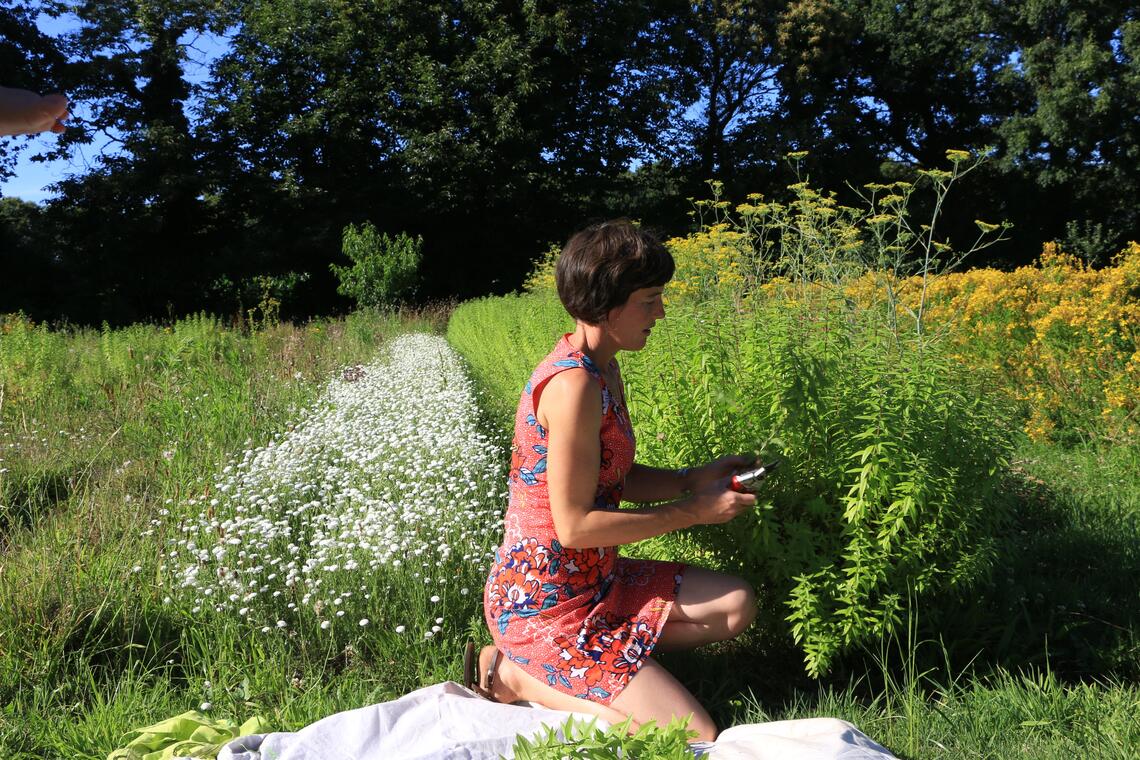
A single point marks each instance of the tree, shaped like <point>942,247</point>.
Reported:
<point>31,272</point>
<point>1076,135</point>
<point>1050,85</point>
<point>485,127</point>
<point>730,79</point>
<point>30,60</point>
<point>133,227</point>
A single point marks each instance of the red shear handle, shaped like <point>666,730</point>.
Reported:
<point>749,481</point>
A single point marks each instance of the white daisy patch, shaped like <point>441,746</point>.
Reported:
<point>386,475</point>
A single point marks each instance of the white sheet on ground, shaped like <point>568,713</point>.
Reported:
<point>446,721</point>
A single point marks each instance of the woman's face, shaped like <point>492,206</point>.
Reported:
<point>631,322</point>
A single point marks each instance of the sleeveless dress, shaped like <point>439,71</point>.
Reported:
<point>581,620</point>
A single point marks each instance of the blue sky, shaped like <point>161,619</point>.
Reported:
<point>32,179</point>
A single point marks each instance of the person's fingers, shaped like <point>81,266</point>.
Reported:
<point>53,109</point>
<point>55,104</point>
<point>25,113</point>
<point>58,125</point>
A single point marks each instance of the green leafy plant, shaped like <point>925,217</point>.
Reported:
<point>891,457</point>
<point>584,739</point>
<point>384,271</point>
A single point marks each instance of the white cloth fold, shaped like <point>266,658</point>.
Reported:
<point>446,721</point>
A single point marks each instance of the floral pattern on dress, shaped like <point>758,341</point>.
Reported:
<point>609,644</point>
<point>582,620</point>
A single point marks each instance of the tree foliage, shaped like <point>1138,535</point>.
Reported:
<point>384,270</point>
<point>493,128</point>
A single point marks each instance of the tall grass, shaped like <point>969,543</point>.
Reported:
<point>503,339</point>
<point>105,438</point>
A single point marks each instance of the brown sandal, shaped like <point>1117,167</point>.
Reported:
<point>490,680</point>
<point>471,677</point>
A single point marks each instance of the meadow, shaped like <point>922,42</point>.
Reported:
<point>204,518</point>
<point>286,521</point>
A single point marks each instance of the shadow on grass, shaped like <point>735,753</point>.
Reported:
<point>1063,598</point>
<point>1063,595</point>
<point>25,498</point>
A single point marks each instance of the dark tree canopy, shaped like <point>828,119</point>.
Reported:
<point>495,128</point>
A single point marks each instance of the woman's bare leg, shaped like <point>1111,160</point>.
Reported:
<point>710,607</point>
<point>512,684</point>
<point>654,694</point>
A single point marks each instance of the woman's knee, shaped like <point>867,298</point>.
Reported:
<point>704,726</point>
<point>742,608</point>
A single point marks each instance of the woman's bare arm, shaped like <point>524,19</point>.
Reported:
<point>570,408</point>
<point>653,484</point>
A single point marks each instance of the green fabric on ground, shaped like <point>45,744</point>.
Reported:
<point>190,734</point>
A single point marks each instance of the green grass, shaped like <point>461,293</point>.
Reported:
<point>97,434</point>
<point>1042,662</point>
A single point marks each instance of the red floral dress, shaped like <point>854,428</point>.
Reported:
<point>580,620</point>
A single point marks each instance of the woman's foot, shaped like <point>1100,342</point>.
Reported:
<point>497,679</point>
<point>509,683</point>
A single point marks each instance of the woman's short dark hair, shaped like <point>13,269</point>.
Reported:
<point>603,264</point>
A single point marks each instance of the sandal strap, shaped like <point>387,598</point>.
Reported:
<point>490,678</point>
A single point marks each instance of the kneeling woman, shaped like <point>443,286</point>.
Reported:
<point>574,623</point>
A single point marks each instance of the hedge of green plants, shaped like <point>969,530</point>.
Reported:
<point>890,451</point>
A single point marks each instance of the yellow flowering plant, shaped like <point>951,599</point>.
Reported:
<point>1061,337</point>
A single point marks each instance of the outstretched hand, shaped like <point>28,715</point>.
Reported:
<point>719,469</point>
<point>23,112</point>
<point>715,502</point>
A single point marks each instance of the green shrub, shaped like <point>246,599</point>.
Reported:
<point>384,271</point>
<point>890,455</point>
<point>503,340</point>
<point>890,450</point>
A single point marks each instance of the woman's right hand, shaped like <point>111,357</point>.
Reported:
<point>717,503</point>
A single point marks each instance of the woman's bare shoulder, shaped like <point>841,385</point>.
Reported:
<point>572,393</point>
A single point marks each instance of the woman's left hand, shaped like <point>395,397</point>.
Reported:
<point>718,469</point>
